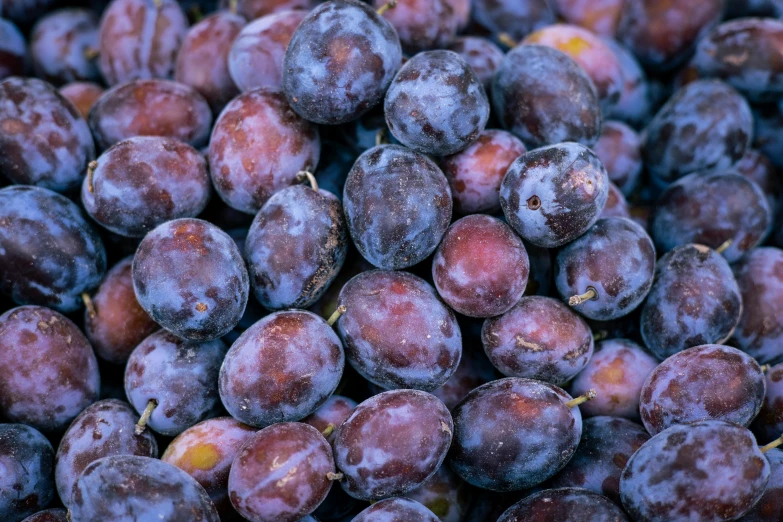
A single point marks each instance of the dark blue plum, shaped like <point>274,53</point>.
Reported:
<point>398,205</point>
<point>295,247</point>
<point>513,434</point>
<point>189,277</point>
<point>712,209</point>
<point>49,254</point>
<point>27,477</point>
<point>397,509</point>
<point>702,383</point>
<point>13,50</point>
<point>132,488</point>
<point>606,273</point>
<point>606,445</point>
<point>564,505</point>
<point>44,139</point>
<point>746,55</point>
<point>694,300</point>
<point>61,46</point>
<point>104,428</point>
<point>179,378</point>
<point>713,471</point>
<point>704,125</point>
<point>554,194</point>
<point>545,97</point>
<point>339,62</point>
<point>436,104</point>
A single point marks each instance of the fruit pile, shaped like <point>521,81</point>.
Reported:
<point>391,260</point>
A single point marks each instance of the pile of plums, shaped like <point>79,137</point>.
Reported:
<point>391,260</point>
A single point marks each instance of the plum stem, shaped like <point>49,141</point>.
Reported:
<point>89,305</point>
<point>307,175</point>
<point>764,368</point>
<point>334,476</point>
<point>91,53</point>
<point>385,7</point>
<point>590,394</point>
<point>579,299</point>
<point>232,6</point>
<point>68,516</point>
<point>91,166</point>
<point>336,315</point>
<point>328,430</point>
<point>774,444</point>
<point>600,335</point>
<point>158,3</point>
<point>724,246</point>
<point>145,416</point>
<point>380,138</point>
<point>507,40</point>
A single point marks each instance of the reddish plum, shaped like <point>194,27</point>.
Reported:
<point>258,146</point>
<point>481,267</point>
<point>281,474</point>
<point>203,59</point>
<point>392,443</point>
<point>475,173</point>
<point>150,108</point>
<point>139,39</point>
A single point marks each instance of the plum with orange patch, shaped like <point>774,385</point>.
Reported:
<point>617,371</point>
<point>205,452</point>
<point>590,52</point>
